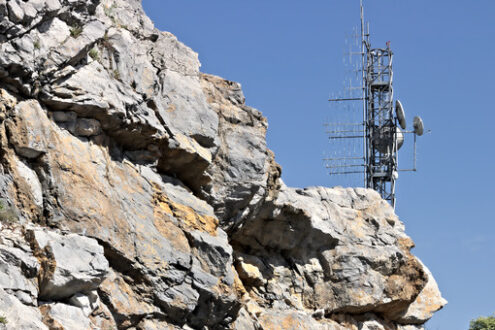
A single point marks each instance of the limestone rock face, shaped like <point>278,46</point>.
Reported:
<point>244,173</point>
<point>426,303</point>
<point>19,315</point>
<point>138,193</point>
<point>330,251</point>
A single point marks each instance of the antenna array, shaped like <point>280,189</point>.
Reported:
<point>369,144</point>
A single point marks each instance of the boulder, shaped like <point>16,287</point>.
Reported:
<point>341,250</point>
<point>70,263</point>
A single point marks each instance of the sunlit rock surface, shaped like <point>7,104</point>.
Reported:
<point>139,193</point>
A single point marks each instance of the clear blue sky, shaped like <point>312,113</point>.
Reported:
<point>288,57</point>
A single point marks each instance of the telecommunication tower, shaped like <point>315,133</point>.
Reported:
<point>381,133</point>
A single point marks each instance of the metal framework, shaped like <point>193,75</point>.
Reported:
<point>381,124</point>
<point>379,132</point>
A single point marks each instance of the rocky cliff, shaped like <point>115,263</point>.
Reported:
<point>139,193</point>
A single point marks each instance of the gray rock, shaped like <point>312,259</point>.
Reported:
<point>18,315</point>
<point>32,182</point>
<point>178,301</point>
<point>341,259</point>
<point>183,98</point>
<point>86,302</point>
<point>170,107</point>
<point>73,49</point>
<point>29,11</point>
<point>288,319</point>
<point>76,263</point>
<point>87,127</point>
<point>16,14</point>
<point>179,193</point>
<point>18,267</point>
<point>67,316</point>
<point>128,14</point>
<point>50,35</point>
<point>151,324</point>
<point>27,133</point>
<point>64,116</point>
<point>52,5</point>
<point>213,250</point>
<point>410,327</point>
<point>244,321</point>
<point>3,8</point>
<point>251,269</point>
<point>140,105</point>
<point>143,225</point>
<point>122,300</point>
<point>426,303</point>
<point>243,171</point>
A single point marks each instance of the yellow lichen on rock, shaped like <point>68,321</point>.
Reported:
<point>249,273</point>
<point>163,223</point>
<point>187,216</point>
<point>238,285</point>
<point>194,220</point>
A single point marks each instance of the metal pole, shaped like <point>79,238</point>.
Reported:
<point>346,99</point>
<point>363,74</point>
<point>414,165</point>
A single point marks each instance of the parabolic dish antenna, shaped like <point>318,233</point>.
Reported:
<point>418,126</point>
<point>399,111</point>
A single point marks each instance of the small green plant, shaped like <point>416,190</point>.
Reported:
<point>76,31</point>
<point>93,53</point>
<point>3,320</point>
<point>116,74</point>
<point>106,41</point>
<point>7,214</point>
<point>109,12</point>
<point>37,44</point>
<point>483,323</point>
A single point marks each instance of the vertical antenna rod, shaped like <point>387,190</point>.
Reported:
<point>363,75</point>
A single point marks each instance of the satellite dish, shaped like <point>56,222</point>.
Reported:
<point>399,111</point>
<point>418,126</point>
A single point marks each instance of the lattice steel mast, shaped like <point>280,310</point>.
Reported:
<point>380,134</point>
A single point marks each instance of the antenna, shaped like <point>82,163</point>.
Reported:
<point>377,133</point>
